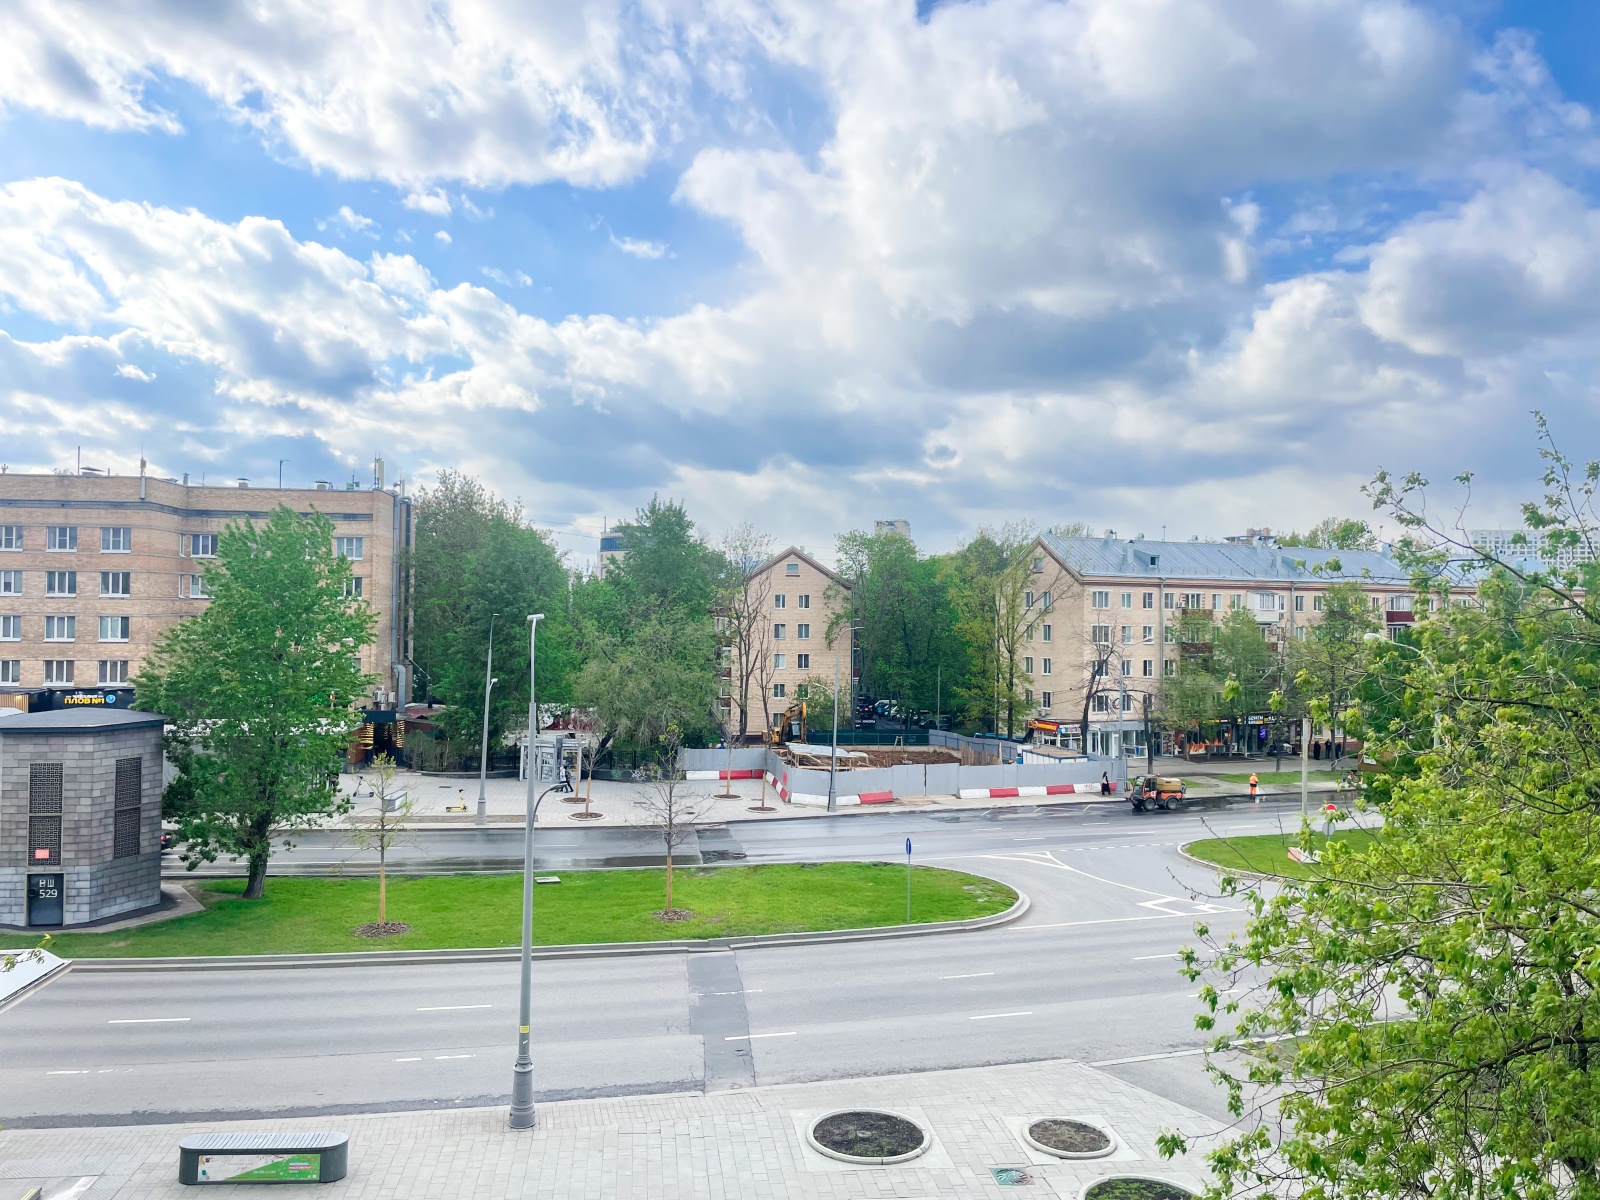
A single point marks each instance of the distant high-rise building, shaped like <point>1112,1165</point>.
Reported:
<point>1502,543</point>
<point>903,528</point>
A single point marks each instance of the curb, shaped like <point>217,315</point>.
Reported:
<point>385,958</point>
<point>1183,851</point>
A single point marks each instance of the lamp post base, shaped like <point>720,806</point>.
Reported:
<point>522,1114</point>
<point>483,814</point>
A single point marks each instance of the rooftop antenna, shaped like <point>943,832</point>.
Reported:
<point>281,461</point>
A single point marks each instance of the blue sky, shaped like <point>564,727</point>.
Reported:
<point>1143,263</point>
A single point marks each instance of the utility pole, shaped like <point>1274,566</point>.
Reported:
<point>833,759</point>
<point>483,757</point>
<point>1305,750</point>
<point>522,1116</point>
<point>1149,740</point>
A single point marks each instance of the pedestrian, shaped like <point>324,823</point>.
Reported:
<point>1254,783</point>
<point>1105,783</point>
<point>1316,751</point>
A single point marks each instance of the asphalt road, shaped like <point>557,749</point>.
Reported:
<point>1087,974</point>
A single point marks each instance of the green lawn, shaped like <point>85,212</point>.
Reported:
<point>1267,775</point>
<point>302,915</point>
<point>1269,854</point>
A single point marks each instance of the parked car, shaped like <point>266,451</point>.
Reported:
<point>1156,791</point>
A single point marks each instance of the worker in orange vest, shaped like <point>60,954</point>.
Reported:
<point>1254,795</point>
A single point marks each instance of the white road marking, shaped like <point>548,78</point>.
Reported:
<point>1148,957</point>
<point>995,1016</point>
<point>746,992</point>
<point>750,1037</point>
<point>1040,838</point>
<point>68,1072</point>
<point>452,1007</point>
<point>408,1059</point>
<point>442,1057</point>
<point>1106,921</point>
<point>973,975</point>
<point>1220,992</point>
<point>77,1189</point>
<point>146,1020</point>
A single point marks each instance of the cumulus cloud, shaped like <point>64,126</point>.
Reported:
<point>433,201</point>
<point>347,220</point>
<point>508,279</point>
<point>638,247</point>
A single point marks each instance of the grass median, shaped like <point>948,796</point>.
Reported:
<point>1268,854</point>
<point>302,915</point>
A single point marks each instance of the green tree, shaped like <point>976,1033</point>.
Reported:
<point>1334,533</point>
<point>1329,663</point>
<point>989,580</point>
<point>475,559</point>
<point>258,689</point>
<point>1423,1016</point>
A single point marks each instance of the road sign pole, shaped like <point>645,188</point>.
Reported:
<point>908,881</point>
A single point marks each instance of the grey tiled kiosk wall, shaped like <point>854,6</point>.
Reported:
<point>100,875</point>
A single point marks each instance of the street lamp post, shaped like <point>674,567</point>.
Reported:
<point>483,757</point>
<point>522,1116</point>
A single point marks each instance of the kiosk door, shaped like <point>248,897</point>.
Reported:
<point>45,899</point>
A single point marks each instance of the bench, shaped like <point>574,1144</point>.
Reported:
<point>295,1156</point>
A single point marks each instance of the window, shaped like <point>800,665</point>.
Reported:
<point>10,583</point>
<point>61,537</point>
<point>1300,632</point>
<point>1027,664</point>
<point>125,808</point>
<point>1102,703</point>
<point>113,629</point>
<point>1038,566</point>
<point>1235,601</point>
<point>802,662</point>
<point>1027,599</point>
<point>1194,600</point>
<point>58,670</point>
<point>1168,599</point>
<point>1027,695</point>
<point>1148,634</point>
<point>44,813</point>
<point>803,631</point>
<point>1377,603</point>
<point>10,670</point>
<point>1127,667</point>
<point>60,583</point>
<point>1149,600</point>
<point>1149,668</point>
<point>791,568</point>
<point>1127,703</point>
<point>803,600</point>
<point>1299,603</point>
<point>1127,599</point>
<point>202,545</point>
<point>1098,669</point>
<point>1127,635</point>
<point>116,539</point>
<point>1169,666</point>
<point>60,629</point>
<point>779,631</point>
<point>778,691</point>
<point>1044,632</point>
<point>1044,700</point>
<point>113,670</point>
<point>1099,599</point>
<point>349,547</point>
<point>1169,636</point>
<point>353,586</point>
<point>197,587</point>
<point>1216,600</point>
<point>116,583</point>
<point>10,537</point>
<point>11,629</point>
<point>777,662</point>
<point>1433,604</point>
<point>1100,635</point>
<point>1046,667</point>
<point>779,600</point>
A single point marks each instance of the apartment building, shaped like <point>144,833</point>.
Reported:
<point>93,568</point>
<point>1517,545</point>
<point>801,598</point>
<point>1107,613</point>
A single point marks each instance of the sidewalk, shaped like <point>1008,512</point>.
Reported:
<point>673,1147</point>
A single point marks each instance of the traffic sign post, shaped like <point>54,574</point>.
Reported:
<point>1329,811</point>
<point>908,881</point>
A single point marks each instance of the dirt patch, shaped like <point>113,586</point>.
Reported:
<point>868,1134</point>
<point>668,915</point>
<point>1137,1189</point>
<point>1070,1137</point>
<point>874,756</point>
<point>381,929</point>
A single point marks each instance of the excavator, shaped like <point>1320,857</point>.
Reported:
<point>790,726</point>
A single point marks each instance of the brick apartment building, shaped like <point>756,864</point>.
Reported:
<point>93,568</point>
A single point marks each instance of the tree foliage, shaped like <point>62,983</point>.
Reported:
<point>1425,1012</point>
<point>258,690</point>
<point>1334,533</point>
<point>989,579</point>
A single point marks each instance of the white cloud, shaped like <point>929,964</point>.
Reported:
<point>433,201</point>
<point>129,371</point>
<point>441,236</point>
<point>638,247</point>
<point>511,279</point>
<point>347,220</point>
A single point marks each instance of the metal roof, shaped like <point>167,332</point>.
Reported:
<point>80,720</point>
<point>1223,562</point>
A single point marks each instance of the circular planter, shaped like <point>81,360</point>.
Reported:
<point>1134,1187</point>
<point>1069,1137</point>
<point>875,1133</point>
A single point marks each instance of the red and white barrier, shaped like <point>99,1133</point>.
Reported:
<point>755,774</point>
<point>1049,789</point>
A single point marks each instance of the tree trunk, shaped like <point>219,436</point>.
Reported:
<point>669,880</point>
<point>383,885</point>
<point>259,851</point>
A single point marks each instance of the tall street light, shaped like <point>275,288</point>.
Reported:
<point>522,1073</point>
<point>483,757</point>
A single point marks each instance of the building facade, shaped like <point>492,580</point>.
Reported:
<point>93,568</point>
<point>1517,545</point>
<point>1107,617</point>
<point>790,648</point>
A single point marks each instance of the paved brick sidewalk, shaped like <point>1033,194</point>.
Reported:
<point>676,1147</point>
